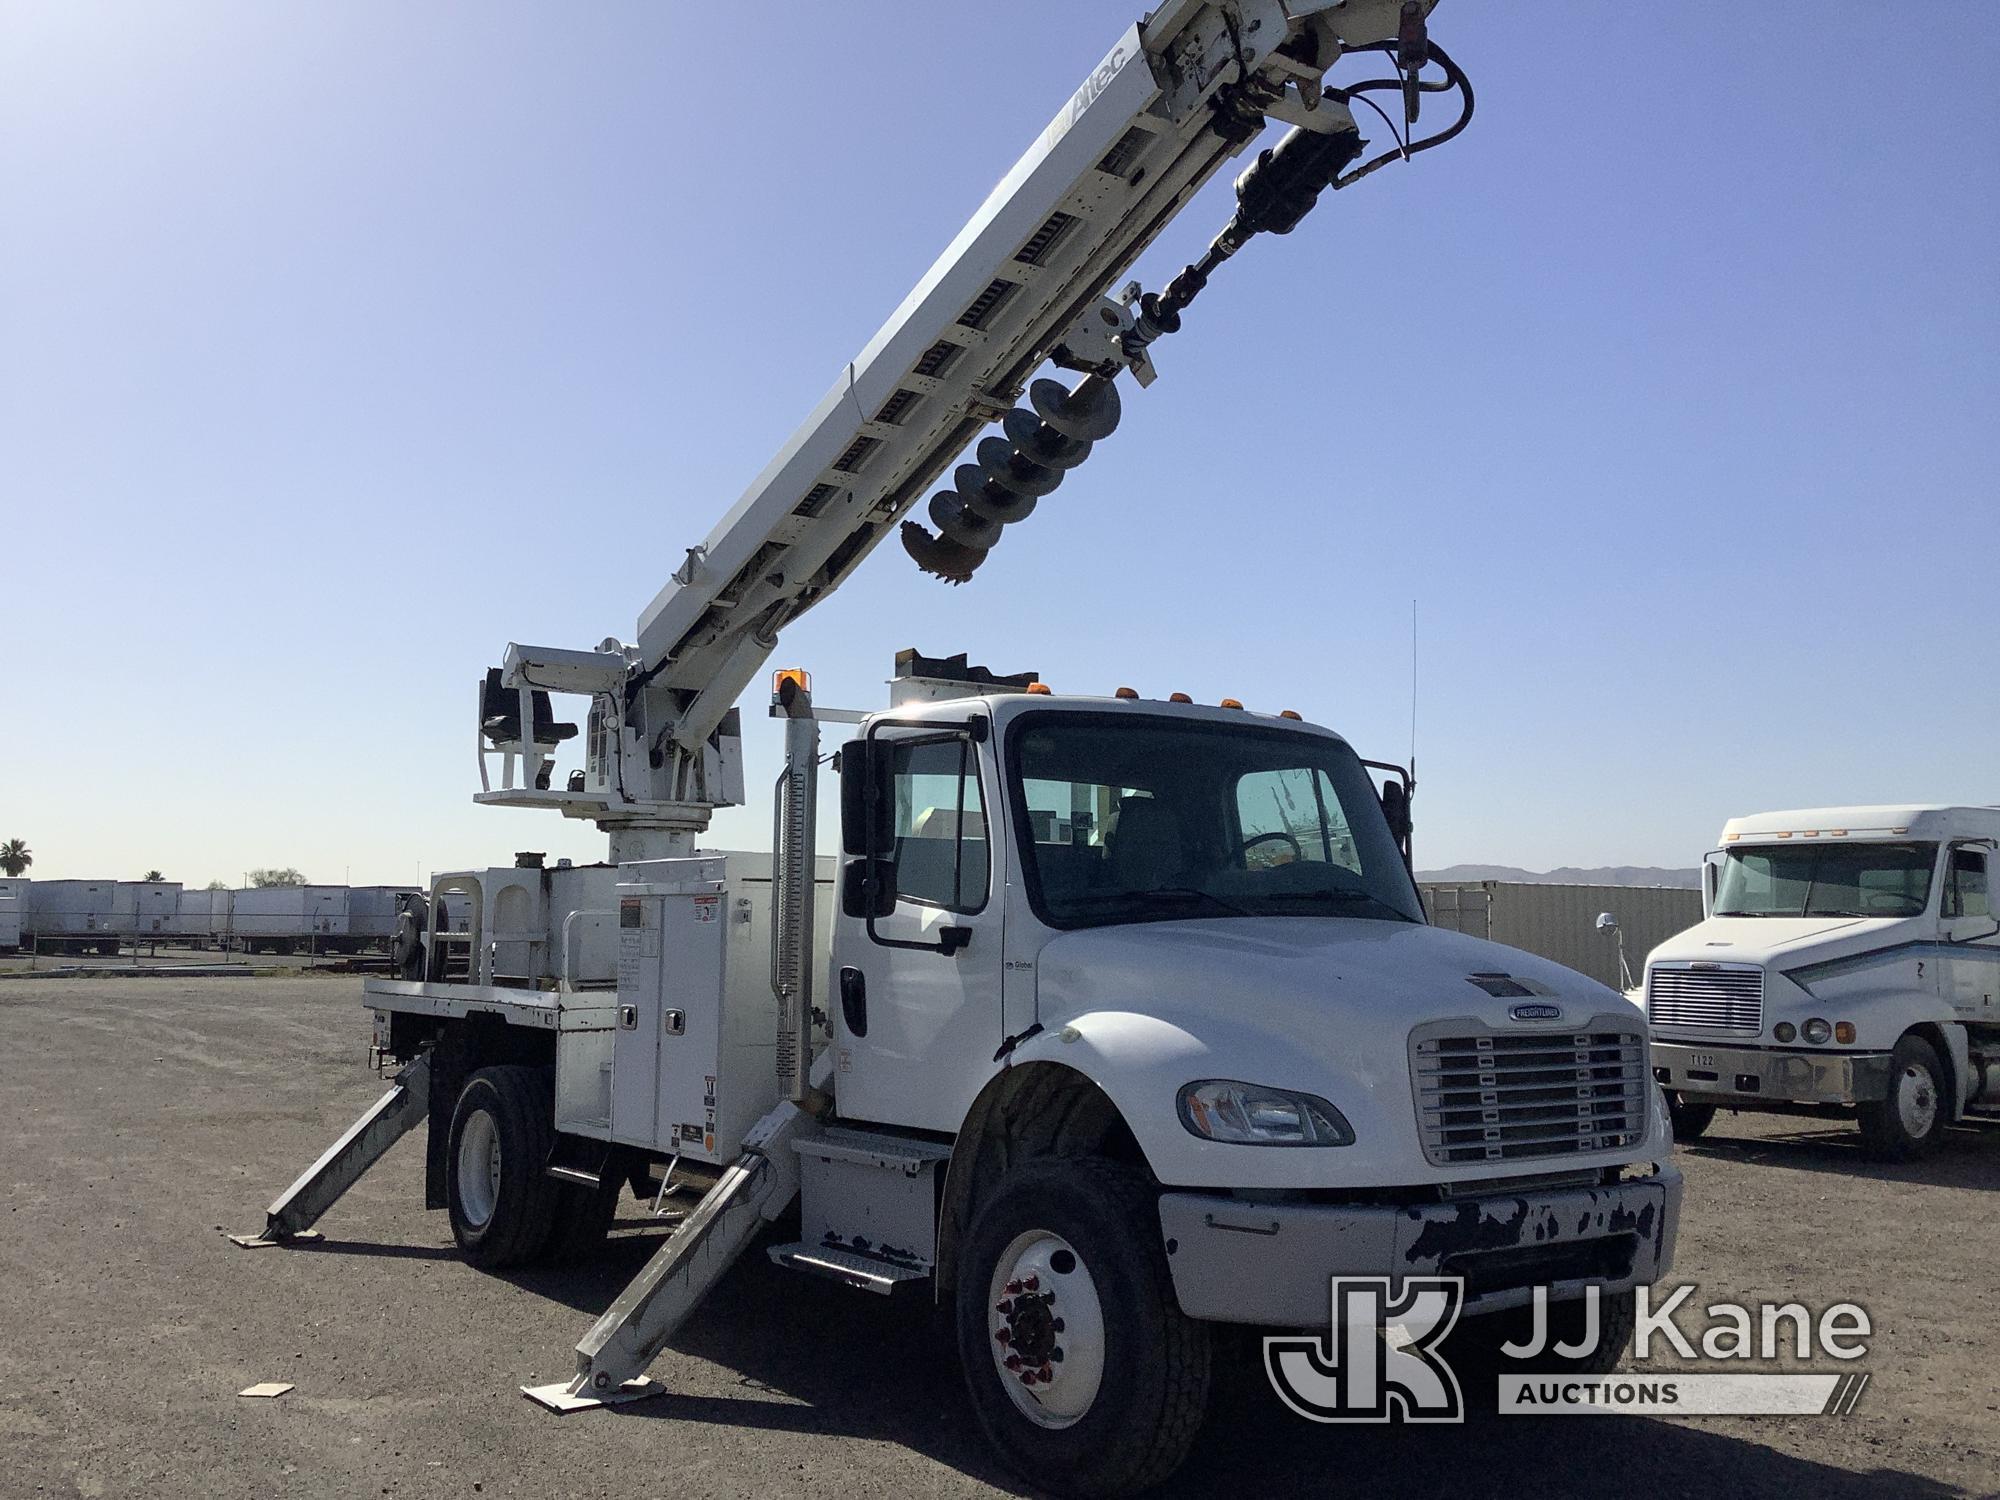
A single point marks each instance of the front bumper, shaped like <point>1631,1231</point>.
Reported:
<point>1741,1076</point>
<point>1271,1263</point>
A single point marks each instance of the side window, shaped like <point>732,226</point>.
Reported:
<point>1965,895</point>
<point>941,847</point>
<point>1290,815</point>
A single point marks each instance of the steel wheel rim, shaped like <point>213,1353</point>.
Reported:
<point>478,1168</point>
<point>1045,1329</point>
<point>1916,1099</point>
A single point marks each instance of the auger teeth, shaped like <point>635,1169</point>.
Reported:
<point>939,556</point>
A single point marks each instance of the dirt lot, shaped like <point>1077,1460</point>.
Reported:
<point>144,1114</point>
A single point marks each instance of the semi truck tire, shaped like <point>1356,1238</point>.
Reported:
<point>501,1201</point>
<point>1911,1121</point>
<point>1083,1371</point>
<point>1690,1121</point>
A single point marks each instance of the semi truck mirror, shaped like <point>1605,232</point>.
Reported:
<point>1396,808</point>
<point>868,887</point>
<point>867,801</point>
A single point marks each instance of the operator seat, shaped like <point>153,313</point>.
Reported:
<point>1147,846</point>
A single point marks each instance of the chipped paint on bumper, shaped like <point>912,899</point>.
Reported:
<point>1270,1263</point>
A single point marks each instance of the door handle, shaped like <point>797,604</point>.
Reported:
<point>628,1018</point>
<point>854,1001</point>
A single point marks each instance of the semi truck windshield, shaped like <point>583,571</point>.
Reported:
<point>1125,818</point>
<point>1826,880</point>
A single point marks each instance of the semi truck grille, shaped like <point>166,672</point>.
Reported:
<point>1484,1097</point>
<point>1709,998</point>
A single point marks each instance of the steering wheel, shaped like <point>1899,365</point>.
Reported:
<point>1298,849</point>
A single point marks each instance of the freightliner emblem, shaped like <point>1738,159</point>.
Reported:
<point>1536,1012</point>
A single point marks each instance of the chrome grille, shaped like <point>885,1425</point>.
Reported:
<point>1488,1097</point>
<point>1710,997</point>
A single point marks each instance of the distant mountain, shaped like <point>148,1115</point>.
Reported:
<point>1568,875</point>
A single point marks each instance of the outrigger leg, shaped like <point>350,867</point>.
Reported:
<point>366,1141</point>
<point>611,1360</point>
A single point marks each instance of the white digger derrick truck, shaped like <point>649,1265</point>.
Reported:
<point>1113,1019</point>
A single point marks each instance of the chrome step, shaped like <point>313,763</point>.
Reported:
<point>861,1271</point>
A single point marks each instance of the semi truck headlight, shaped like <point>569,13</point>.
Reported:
<point>1818,1031</point>
<point>1243,1114</point>
<point>1784,1031</point>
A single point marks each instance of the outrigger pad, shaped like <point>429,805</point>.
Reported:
<point>559,1399</point>
<point>262,1242</point>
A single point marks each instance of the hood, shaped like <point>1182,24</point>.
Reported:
<point>1763,940</point>
<point>1323,1006</point>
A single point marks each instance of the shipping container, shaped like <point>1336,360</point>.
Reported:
<point>1559,922</point>
<point>72,916</point>
<point>13,911</point>
<point>290,918</point>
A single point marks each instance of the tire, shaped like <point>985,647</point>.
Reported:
<point>1911,1121</point>
<point>1125,1424</point>
<point>1474,1353</point>
<point>1691,1121</point>
<point>502,1203</point>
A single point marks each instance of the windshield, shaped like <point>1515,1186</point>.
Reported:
<point>1826,880</point>
<point>1128,818</point>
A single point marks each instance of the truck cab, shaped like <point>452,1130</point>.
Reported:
<point>1848,964</point>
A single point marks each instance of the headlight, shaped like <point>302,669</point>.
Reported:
<point>1818,1031</point>
<point>1242,1114</point>
<point>1784,1031</point>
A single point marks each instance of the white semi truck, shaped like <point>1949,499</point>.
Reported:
<point>1847,964</point>
<point>1114,1019</point>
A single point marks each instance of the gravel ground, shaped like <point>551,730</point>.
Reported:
<point>144,1115</point>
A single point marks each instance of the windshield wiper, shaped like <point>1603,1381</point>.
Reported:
<point>1343,898</point>
<point>1099,898</point>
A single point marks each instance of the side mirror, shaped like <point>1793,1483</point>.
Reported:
<point>1396,808</point>
<point>867,801</point>
<point>868,887</point>
<point>1606,922</point>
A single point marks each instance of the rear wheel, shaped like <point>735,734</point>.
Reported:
<point>1690,1120</point>
<point>1911,1120</point>
<point>1083,1370</point>
<point>502,1201</point>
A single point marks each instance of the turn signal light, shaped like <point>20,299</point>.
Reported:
<point>1039,687</point>
<point>1843,1032</point>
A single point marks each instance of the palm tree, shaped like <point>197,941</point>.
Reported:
<point>153,877</point>
<point>15,856</point>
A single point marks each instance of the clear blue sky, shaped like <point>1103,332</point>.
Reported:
<point>342,343</point>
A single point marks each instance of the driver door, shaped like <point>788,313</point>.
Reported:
<point>1971,977</point>
<point>917,1010</point>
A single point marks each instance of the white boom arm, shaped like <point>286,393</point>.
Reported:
<point>1026,280</point>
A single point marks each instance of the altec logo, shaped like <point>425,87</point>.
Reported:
<point>1381,1359</point>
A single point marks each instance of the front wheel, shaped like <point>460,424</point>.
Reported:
<point>1083,1370</point>
<point>1910,1122</point>
<point>1571,1341</point>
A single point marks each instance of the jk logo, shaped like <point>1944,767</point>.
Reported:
<point>1359,1373</point>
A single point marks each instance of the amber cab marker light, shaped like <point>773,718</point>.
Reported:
<point>1229,703</point>
<point>1179,698</point>
<point>1126,693</point>
<point>1041,688</point>
<point>1291,713</point>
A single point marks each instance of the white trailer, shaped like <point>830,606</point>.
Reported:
<point>73,916</point>
<point>202,919</point>
<point>1848,964</point>
<point>13,910</point>
<point>289,919</point>
<point>146,911</point>
<point>1127,1021</point>
<point>372,911</point>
